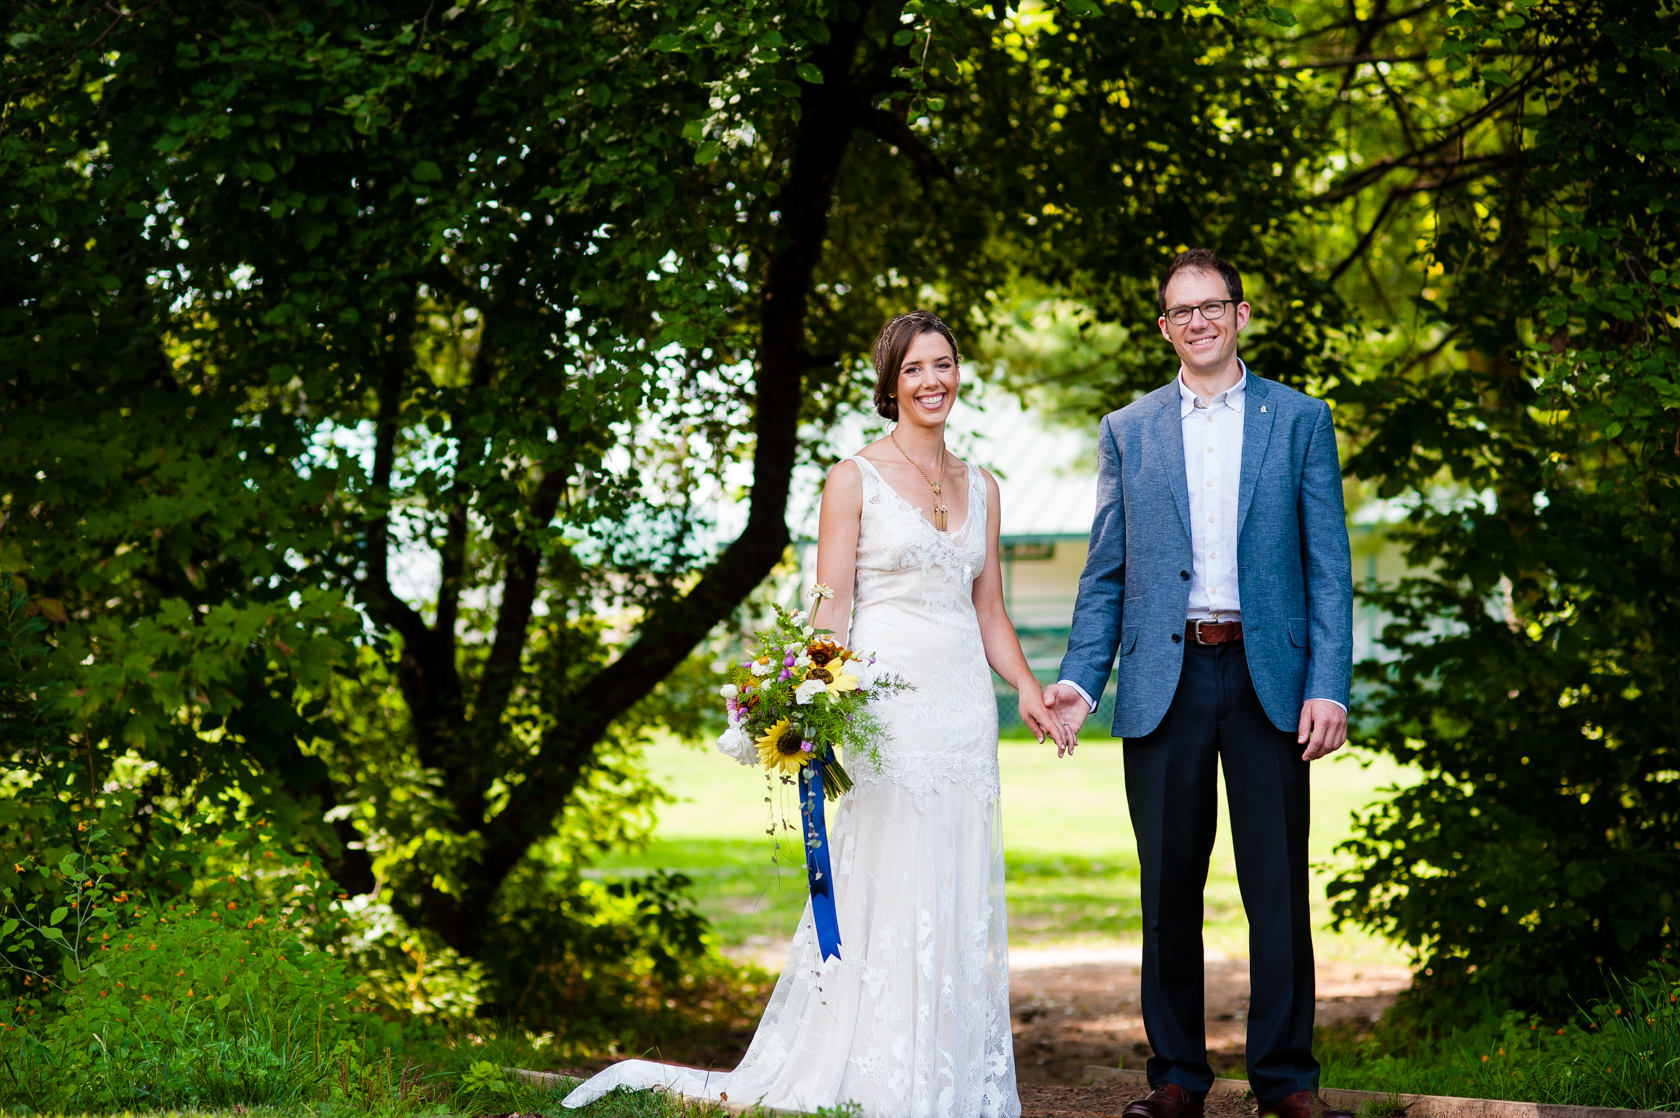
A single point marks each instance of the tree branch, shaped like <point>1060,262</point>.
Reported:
<point>391,609</point>
<point>892,129</point>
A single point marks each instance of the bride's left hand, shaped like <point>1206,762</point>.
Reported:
<point>1042,722</point>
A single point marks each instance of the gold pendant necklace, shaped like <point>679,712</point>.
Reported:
<point>938,487</point>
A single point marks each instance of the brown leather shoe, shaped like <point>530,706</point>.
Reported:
<point>1304,1104</point>
<point>1167,1101</point>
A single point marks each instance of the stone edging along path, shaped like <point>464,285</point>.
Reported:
<point>1417,1106</point>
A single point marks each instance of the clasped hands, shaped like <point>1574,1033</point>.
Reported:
<point>1322,729</point>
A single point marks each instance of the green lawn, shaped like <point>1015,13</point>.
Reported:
<point>1072,861</point>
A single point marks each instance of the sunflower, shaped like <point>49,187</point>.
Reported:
<point>779,748</point>
<point>842,681</point>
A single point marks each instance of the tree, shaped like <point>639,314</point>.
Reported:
<point>296,293</point>
<point>1484,203</point>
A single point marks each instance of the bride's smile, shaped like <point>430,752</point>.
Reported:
<point>929,378</point>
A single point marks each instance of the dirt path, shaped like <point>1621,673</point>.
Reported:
<point>1078,1007</point>
<point>1106,1100</point>
<point>1074,1007</point>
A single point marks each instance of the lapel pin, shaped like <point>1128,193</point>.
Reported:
<point>1262,409</point>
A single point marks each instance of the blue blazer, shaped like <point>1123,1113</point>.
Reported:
<point>1294,572</point>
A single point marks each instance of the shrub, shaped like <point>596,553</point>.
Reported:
<point>213,997</point>
<point>1539,849</point>
<point>615,967</point>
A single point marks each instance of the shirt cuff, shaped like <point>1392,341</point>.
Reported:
<point>1086,695</point>
<point>1342,705</point>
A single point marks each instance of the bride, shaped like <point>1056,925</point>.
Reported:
<point>913,1019</point>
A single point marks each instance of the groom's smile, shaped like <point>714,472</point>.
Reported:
<point>1202,322</point>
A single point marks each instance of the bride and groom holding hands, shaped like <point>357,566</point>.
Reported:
<point>1218,586</point>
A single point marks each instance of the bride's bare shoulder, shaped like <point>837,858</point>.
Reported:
<point>844,478</point>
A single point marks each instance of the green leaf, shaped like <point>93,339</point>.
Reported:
<point>600,95</point>
<point>903,37</point>
<point>427,171</point>
<point>809,73</point>
<point>1167,6</point>
<point>262,172</point>
<point>707,152</point>
<point>58,915</point>
<point>222,1002</point>
<point>99,969</point>
<point>666,43</point>
<point>1496,77</point>
<point>1083,7</point>
<point>10,927</point>
<point>53,934</point>
<point>1281,16</point>
<point>935,104</point>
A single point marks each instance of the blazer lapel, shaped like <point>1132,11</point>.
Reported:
<point>1169,430</point>
<point>1257,432</point>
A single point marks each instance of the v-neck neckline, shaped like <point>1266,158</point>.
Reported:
<point>951,534</point>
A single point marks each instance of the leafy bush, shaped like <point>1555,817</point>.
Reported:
<point>214,997</point>
<point>1539,849</point>
<point>619,967</point>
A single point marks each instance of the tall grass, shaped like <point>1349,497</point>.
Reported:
<point>1622,1051</point>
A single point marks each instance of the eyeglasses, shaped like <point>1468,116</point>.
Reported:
<point>1211,310</point>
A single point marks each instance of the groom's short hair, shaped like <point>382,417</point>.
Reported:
<point>1200,260</point>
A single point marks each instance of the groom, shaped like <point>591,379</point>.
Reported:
<point>1219,573</point>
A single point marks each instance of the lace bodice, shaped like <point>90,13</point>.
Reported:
<point>914,609</point>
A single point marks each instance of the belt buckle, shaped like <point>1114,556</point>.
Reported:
<point>1200,621</point>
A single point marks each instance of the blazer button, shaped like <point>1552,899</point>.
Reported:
<point>1185,575</point>
<point>1177,637</point>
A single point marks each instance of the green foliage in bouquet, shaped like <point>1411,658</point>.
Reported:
<point>801,698</point>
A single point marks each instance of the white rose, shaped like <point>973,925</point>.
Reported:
<point>808,690</point>
<point>728,691</point>
<point>737,746</point>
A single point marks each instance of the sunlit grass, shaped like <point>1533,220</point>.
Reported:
<point>1073,872</point>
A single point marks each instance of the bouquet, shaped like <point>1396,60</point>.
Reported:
<point>800,699</point>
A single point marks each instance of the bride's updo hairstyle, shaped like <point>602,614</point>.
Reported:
<point>891,344</point>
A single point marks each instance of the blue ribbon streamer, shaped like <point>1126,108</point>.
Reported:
<point>816,863</point>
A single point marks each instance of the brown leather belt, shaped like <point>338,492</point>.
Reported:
<point>1213,632</point>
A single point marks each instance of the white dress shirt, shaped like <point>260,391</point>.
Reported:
<point>1213,443</point>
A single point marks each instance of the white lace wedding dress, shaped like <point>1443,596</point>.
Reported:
<point>913,1019</point>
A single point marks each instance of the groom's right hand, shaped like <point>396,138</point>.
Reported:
<point>1068,705</point>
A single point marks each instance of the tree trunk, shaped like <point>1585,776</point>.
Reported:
<point>832,112</point>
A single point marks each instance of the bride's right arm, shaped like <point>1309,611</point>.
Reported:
<point>837,536</point>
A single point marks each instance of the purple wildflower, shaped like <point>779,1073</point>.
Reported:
<point>785,674</point>
<point>806,746</point>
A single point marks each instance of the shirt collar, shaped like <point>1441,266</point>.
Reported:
<point>1233,397</point>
